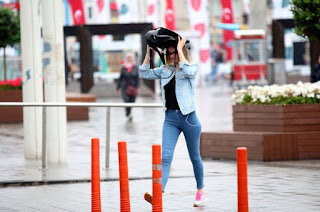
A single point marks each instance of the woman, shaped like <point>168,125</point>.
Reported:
<point>177,78</point>
<point>129,82</point>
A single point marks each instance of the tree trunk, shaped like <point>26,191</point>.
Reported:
<point>314,53</point>
<point>4,64</point>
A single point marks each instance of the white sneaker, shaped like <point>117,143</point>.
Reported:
<point>201,200</point>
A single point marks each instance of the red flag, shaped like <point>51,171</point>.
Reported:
<point>100,4</point>
<point>151,9</point>
<point>196,4</point>
<point>170,17</point>
<point>77,12</point>
<point>227,17</point>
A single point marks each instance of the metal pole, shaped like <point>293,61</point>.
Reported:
<point>44,143</point>
<point>77,104</point>
<point>108,138</point>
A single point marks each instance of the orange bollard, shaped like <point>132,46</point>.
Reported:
<point>95,176</point>
<point>242,179</point>
<point>156,178</point>
<point>123,177</point>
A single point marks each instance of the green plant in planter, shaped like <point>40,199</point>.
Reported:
<point>9,32</point>
<point>300,93</point>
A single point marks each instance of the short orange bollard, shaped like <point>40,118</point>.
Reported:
<point>242,179</point>
<point>95,176</point>
<point>123,177</point>
<point>156,178</point>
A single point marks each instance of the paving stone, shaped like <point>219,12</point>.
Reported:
<point>272,186</point>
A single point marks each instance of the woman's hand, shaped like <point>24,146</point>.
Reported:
<point>147,57</point>
<point>180,45</point>
<point>148,48</point>
<point>181,42</point>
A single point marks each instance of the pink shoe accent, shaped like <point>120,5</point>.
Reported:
<point>198,196</point>
<point>201,200</point>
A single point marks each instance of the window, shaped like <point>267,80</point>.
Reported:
<point>118,37</point>
<point>90,12</point>
<point>251,51</point>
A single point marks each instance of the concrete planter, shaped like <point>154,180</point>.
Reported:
<point>273,118</point>
<point>262,146</point>
<point>79,113</point>
<point>11,114</point>
<point>270,133</point>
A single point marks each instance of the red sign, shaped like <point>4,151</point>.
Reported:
<point>12,6</point>
<point>251,71</point>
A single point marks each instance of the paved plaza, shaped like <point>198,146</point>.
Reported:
<point>273,186</point>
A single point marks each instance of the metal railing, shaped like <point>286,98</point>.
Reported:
<point>76,104</point>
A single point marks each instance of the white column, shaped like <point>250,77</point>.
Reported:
<point>54,71</point>
<point>32,76</point>
<point>258,15</point>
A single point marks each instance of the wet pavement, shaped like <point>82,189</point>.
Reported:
<point>273,186</point>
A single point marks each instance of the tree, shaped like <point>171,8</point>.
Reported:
<point>306,16</point>
<point>9,32</point>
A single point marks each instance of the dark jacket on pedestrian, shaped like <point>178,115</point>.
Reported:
<point>315,76</point>
<point>128,77</point>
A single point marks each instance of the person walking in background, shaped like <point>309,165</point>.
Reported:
<point>177,78</point>
<point>213,52</point>
<point>129,82</point>
<point>217,58</point>
<point>315,76</point>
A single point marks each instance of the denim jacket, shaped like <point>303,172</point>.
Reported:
<point>185,78</point>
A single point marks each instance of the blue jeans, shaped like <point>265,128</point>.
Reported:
<point>175,123</point>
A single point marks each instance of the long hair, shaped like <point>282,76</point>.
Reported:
<point>185,52</point>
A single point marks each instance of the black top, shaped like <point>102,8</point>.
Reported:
<point>170,95</point>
